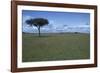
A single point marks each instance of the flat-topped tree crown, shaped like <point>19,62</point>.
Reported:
<point>40,22</point>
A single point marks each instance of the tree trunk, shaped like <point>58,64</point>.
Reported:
<point>39,31</point>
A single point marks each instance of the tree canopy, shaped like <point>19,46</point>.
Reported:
<point>37,22</point>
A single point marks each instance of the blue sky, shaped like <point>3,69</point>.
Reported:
<point>58,21</point>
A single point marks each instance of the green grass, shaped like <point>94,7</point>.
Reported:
<point>49,47</point>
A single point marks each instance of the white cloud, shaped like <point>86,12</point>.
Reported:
<point>52,27</point>
<point>83,28</point>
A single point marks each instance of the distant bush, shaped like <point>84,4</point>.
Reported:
<point>76,32</point>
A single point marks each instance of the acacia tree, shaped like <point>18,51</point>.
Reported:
<point>38,22</point>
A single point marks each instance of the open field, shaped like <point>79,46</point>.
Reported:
<point>55,46</point>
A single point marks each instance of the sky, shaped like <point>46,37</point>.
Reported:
<point>58,21</point>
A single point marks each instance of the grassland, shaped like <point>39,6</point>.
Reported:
<point>49,47</point>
